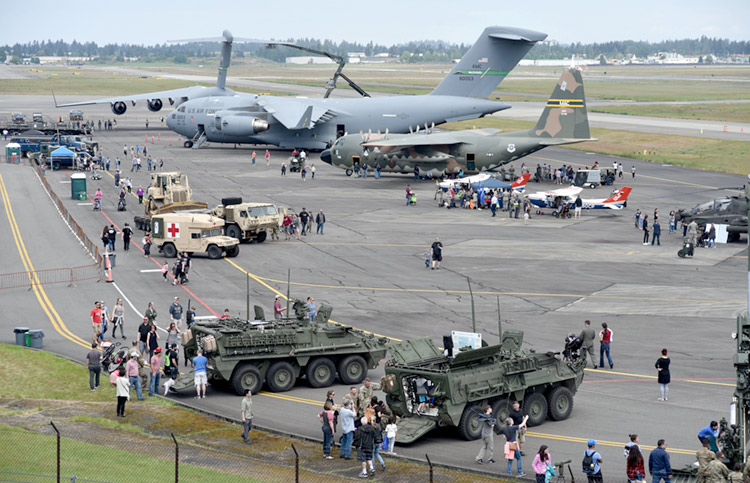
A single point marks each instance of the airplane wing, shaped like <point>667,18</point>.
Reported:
<point>412,140</point>
<point>296,113</point>
<point>557,141</point>
<point>570,191</point>
<point>172,94</point>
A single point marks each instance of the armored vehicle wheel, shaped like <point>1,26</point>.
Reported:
<point>233,231</point>
<point>352,369</point>
<point>469,427</point>
<point>280,376</point>
<point>321,372</point>
<point>560,401</point>
<point>213,252</point>
<point>535,405</point>
<point>501,410</point>
<point>233,251</point>
<point>247,377</point>
<point>169,250</point>
<point>261,237</point>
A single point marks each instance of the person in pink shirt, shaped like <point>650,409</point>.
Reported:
<point>541,460</point>
<point>131,370</point>
<point>155,369</point>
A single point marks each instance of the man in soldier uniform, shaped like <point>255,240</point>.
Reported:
<point>717,471</point>
<point>365,394</point>
<point>704,456</point>
<point>587,341</point>
<point>350,396</point>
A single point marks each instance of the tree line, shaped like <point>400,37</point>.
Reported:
<point>417,51</point>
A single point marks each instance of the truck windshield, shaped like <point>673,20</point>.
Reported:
<point>257,211</point>
<point>211,232</point>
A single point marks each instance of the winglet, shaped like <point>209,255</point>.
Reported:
<point>54,99</point>
<point>305,121</point>
<point>621,195</point>
<point>520,183</point>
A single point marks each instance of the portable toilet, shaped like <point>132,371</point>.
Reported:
<point>13,153</point>
<point>78,186</point>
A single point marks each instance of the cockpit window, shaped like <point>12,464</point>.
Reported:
<point>723,205</point>
<point>181,109</point>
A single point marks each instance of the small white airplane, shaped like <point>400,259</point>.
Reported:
<point>567,196</point>
<point>484,180</point>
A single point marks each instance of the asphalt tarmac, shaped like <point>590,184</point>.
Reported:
<point>550,276</point>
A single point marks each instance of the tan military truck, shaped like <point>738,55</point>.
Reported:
<point>169,192</point>
<point>247,221</point>
<point>193,233</point>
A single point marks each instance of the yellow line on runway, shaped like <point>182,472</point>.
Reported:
<point>36,285</point>
<point>260,281</point>
<point>643,376</point>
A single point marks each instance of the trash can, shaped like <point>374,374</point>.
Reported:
<point>37,338</point>
<point>27,339</point>
<point>112,260</point>
<point>78,185</point>
<point>20,335</point>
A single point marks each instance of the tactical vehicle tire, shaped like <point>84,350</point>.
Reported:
<point>261,237</point>
<point>501,410</point>
<point>213,252</point>
<point>349,172</point>
<point>560,401</point>
<point>321,372</point>
<point>247,377</point>
<point>280,376</point>
<point>469,427</point>
<point>352,369</point>
<point>169,250</point>
<point>234,200</point>
<point>233,251</point>
<point>535,405</point>
<point>233,231</point>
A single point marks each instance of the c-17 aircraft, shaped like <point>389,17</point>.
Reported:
<point>567,196</point>
<point>563,121</point>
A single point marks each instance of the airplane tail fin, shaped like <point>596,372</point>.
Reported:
<point>520,183</point>
<point>619,197</point>
<point>565,113</point>
<point>226,57</point>
<point>488,61</point>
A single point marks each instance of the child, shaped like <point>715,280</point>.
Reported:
<point>526,218</point>
<point>165,271</point>
<point>170,382</point>
<point>392,431</point>
<point>427,257</point>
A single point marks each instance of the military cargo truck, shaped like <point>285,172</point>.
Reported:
<point>245,354</point>
<point>454,389</point>
<point>247,221</point>
<point>192,233</point>
<point>168,192</point>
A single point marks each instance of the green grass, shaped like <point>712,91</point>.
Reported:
<point>28,452</point>
<point>707,112</point>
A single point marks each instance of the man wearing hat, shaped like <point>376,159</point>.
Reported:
<point>592,461</point>
<point>131,370</point>
<point>278,310</point>
<point>153,382</point>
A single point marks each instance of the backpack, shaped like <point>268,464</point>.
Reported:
<point>587,466</point>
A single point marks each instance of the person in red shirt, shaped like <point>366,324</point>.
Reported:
<point>225,315</point>
<point>605,339</point>
<point>96,318</point>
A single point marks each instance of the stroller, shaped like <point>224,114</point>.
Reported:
<point>687,248</point>
<point>121,204</point>
<point>111,356</point>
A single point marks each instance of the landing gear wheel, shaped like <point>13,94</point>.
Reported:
<point>321,372</point>
<point>560,401</point>
<point>233,251</point>
<point>261,237</point>
<point>214,252</point>
<point>188,144</point>
<point>501,411</point>
<point>349,172</point>
<point>535,405</point>
<point>280,376</point>
<point>247,377</point>
<point>352,369</point>
<point>234,231</point>
<point>469,427</point>
<point>169,251</point>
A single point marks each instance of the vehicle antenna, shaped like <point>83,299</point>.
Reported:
<point>499,321</point>
<point>247,279</point>
<point>288,283</point>
<point>473,315</point>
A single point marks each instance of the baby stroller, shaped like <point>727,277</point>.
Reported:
<point>121,204</point>
<point>111,357</point>
<point>687,248</point>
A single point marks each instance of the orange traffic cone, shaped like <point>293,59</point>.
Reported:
<point>159,137</point>
<point>170,140</point>
<point>152,140</point>
<point>108,266</point>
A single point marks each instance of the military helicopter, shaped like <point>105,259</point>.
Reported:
<point>730,211</point>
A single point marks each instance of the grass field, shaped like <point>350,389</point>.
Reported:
<point>708,112</point>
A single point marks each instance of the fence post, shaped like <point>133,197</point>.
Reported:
<point>176,459</point>
<point>71,284</point>
<point>58,450</point>
<point>429,463</point>
<point>296,464</point>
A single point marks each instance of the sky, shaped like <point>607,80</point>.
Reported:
<point>385,22</point>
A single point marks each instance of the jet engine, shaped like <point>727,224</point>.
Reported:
<point>119,108</point>
<point>154,105</point>
<point>243,125</point>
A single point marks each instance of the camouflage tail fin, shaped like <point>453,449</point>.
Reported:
<point>488,61</point>
<point>565,113</point>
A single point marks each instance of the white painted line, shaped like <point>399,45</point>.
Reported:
<point>65,182</point>
<point>127,300</point>
<point>197,317</point>
<point>84,204</point>
<point>151,270</point>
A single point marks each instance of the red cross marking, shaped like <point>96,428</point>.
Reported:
<point>173,230</point>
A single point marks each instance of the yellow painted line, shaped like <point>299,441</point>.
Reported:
<point>291,398</point>
<point>260,281</point>
<point>643,376</point>
<point>36,285</point>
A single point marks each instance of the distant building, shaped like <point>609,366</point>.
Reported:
<point>308,59</point>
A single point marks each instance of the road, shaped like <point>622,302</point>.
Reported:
<point>550,276</point>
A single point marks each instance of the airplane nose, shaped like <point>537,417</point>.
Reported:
<point>325,156</point>
<point>169,122</point>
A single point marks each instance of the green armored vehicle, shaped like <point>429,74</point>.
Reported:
<point>244,354</point>
<point>427,388</point>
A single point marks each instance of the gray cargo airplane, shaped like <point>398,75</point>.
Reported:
<point>563,121</point>
<point>316,123</point>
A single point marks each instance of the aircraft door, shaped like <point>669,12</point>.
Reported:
<point>355,161</point>
<point>470,158</point>
<point>340,130</point>
<point>217,120</point>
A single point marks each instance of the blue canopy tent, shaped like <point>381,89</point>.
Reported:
<point>491,184</point>
<point>62,156</point>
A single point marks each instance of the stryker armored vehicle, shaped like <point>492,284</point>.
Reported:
<point>244,354</point>
<point>428,388</point>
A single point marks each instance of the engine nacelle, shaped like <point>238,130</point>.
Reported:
<point>154,105</point>
<point>119,108</point>
<point>243,125</point>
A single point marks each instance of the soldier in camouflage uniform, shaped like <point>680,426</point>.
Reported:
<point>736,475</point>
<point>365,394</point>
<point>717,471</point>
<point>350,396</point>
<point>704,456</point>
